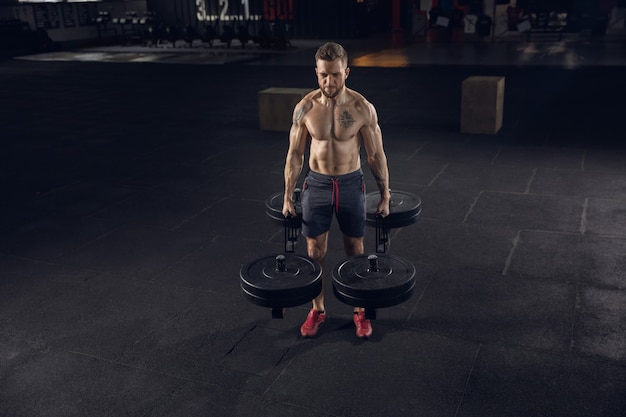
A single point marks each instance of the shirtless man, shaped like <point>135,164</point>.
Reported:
<point>338,120</point>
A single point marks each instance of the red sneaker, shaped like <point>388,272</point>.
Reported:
<point>313,320</point>
<point>363,325</point>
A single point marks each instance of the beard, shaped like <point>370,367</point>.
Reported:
<point>331,95</point>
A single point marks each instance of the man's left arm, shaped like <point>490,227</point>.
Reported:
<point>377,160</point>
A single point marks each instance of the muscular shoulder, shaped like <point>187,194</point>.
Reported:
<point>363,107</point>
<point>304,106</point>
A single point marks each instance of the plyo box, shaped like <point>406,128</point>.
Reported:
<point>276,106</point>
<point>482,104</point>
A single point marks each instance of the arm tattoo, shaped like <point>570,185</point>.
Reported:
<point>382,184</point>
<point>346,119</point>
<point>299,113</point>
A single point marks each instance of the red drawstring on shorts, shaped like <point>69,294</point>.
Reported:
<point>335,194</point>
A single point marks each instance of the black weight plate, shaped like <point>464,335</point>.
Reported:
<point>282,302</point>
<point>404,209</point>
<point>354,283</point>
<point>263,284</point>
<point>390,301</point>
<point>399,222</point>
<point>274,210</point>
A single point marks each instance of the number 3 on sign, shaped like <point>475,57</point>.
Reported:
<point>201,11</point>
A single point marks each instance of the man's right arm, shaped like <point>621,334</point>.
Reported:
<point>295,155</point>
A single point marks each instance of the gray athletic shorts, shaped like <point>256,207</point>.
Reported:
<point>343,195</point>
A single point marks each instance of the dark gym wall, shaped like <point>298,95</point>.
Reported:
<point>340,19</point>
<point>312,19</point>
<point>174,12</point>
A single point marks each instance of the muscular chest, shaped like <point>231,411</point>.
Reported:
<point>339,123</point>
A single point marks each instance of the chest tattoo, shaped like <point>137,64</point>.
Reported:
<point>345,119</point>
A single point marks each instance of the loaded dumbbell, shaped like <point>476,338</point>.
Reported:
<point>379,280</point>
<point>291,224</point>
<point>404,209</point>
<point>369,281</point>
<point>283,280</point>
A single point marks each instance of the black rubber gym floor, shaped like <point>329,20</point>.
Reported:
<point>132,194</point>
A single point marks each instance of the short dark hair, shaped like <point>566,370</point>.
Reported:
<point>331,51</point>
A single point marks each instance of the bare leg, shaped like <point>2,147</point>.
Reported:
<point>353,246</point>
<point>316,248</point>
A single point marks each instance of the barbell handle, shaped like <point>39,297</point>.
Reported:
<point>382,235</point>
<point>291,234</point>
<point>291,231</point>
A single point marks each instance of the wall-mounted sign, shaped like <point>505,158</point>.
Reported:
<point>229,10</point>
